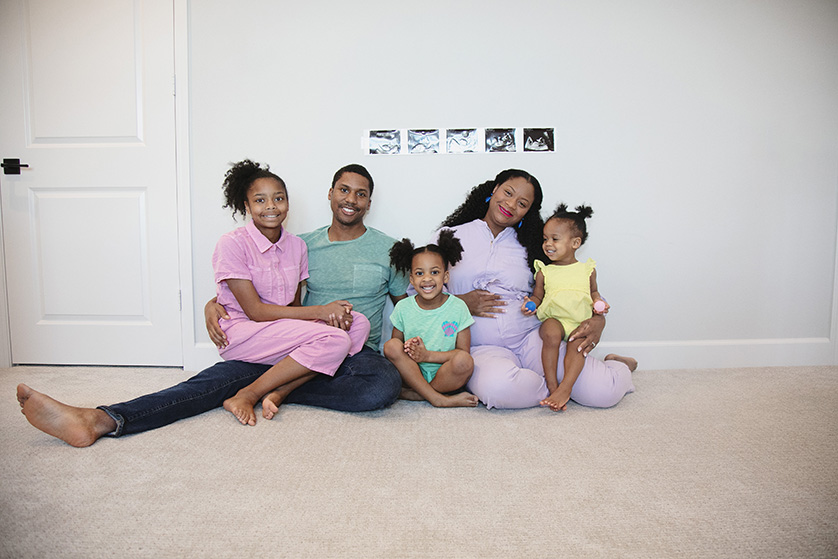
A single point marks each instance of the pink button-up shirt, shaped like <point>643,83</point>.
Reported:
<point>275,269</point>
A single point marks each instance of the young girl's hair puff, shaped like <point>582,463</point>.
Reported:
<point>577,218</point>
<point>447,246</point>
<point>237,182</point>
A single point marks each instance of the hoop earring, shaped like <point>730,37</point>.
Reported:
<point>520,223</point>
<point>488,198</point>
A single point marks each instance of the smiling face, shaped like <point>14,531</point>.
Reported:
<point>509,204</point>
<point>267,204</point>
<point>427,275</point>
<point>560,241</point>
<point>350,199</point>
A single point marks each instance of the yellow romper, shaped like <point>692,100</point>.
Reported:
<point>567,293</point>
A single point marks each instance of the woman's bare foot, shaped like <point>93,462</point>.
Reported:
<point>408,393</point>
<point>271,402</point>
<point>241,405</point>
<point>77,427</point>
<point>459,400</point>
<point>629,362</point>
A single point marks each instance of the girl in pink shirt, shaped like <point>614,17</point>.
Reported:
<point>259,272</point>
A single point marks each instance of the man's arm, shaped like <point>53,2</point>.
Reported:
<point>213,312</point>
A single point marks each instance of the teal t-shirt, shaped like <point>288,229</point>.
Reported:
<point>438,327</point>
<point>358,271</point>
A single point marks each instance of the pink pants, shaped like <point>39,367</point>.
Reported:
<point>514,378</point>
<point>313,344</point>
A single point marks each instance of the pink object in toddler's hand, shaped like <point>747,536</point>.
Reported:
<point>599,306</point>
<point>530,306</point>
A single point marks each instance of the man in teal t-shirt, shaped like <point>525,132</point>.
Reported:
<point>357,270</point>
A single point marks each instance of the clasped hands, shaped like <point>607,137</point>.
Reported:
<point>337,314</point>
<point>416,350</point>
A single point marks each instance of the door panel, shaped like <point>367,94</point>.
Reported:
<point>92,92</point>
<point>90,227</point>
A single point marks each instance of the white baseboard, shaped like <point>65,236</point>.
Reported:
<point>706,354</point>
<point>685,354</point>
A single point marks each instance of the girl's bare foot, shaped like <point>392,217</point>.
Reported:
<point>77,427</point>
<point>271,403</point>
<point>459,400</point>
<point>629,362</point>
<point>241,405</point>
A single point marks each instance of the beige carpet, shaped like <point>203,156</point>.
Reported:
<point>701,463</point>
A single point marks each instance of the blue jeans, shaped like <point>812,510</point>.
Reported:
<point>365,381</point>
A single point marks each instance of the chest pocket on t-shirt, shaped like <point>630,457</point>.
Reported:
<point>367,278</point>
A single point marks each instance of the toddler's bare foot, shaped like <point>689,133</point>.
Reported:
<point>241,406</point>
<point>410,394</point>
<point>630,362</point>
<point>271,403</point>
<point>554,403</point>
<point>557,400</point>
<point>77,427</point>
<point>460,400</point>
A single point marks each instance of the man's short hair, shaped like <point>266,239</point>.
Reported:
<point>354,168</point>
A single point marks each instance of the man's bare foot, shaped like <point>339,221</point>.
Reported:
<point>410,394</point>
<point>271,402</point>
<point>630,362</point>
<point>459,400</point>
<point>77,427</point>
<point>241,405</point>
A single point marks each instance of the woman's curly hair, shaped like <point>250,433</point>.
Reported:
<point>447,246</point>
<point>576,219</point>
<point>237,182</point>
<point>530,233</point>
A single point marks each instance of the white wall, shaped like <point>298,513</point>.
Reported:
<point>704,134</point>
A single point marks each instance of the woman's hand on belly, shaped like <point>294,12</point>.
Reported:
<point>483,303</point>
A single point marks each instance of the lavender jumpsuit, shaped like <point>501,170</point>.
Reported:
<point>276,269</point>
<point>508,372</point>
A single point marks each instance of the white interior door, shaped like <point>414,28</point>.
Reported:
<point>90,227</point>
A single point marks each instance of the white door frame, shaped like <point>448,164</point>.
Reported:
<point>183,167</point>
<point>5,331</point>
<point>833,333</point>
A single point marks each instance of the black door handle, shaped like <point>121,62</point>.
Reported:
<point>12,166</point>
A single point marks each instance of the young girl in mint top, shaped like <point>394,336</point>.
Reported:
<point>431,338</point>
<point>259,270</point>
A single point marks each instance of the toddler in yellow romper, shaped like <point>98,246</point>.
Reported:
<point>565,295</point>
